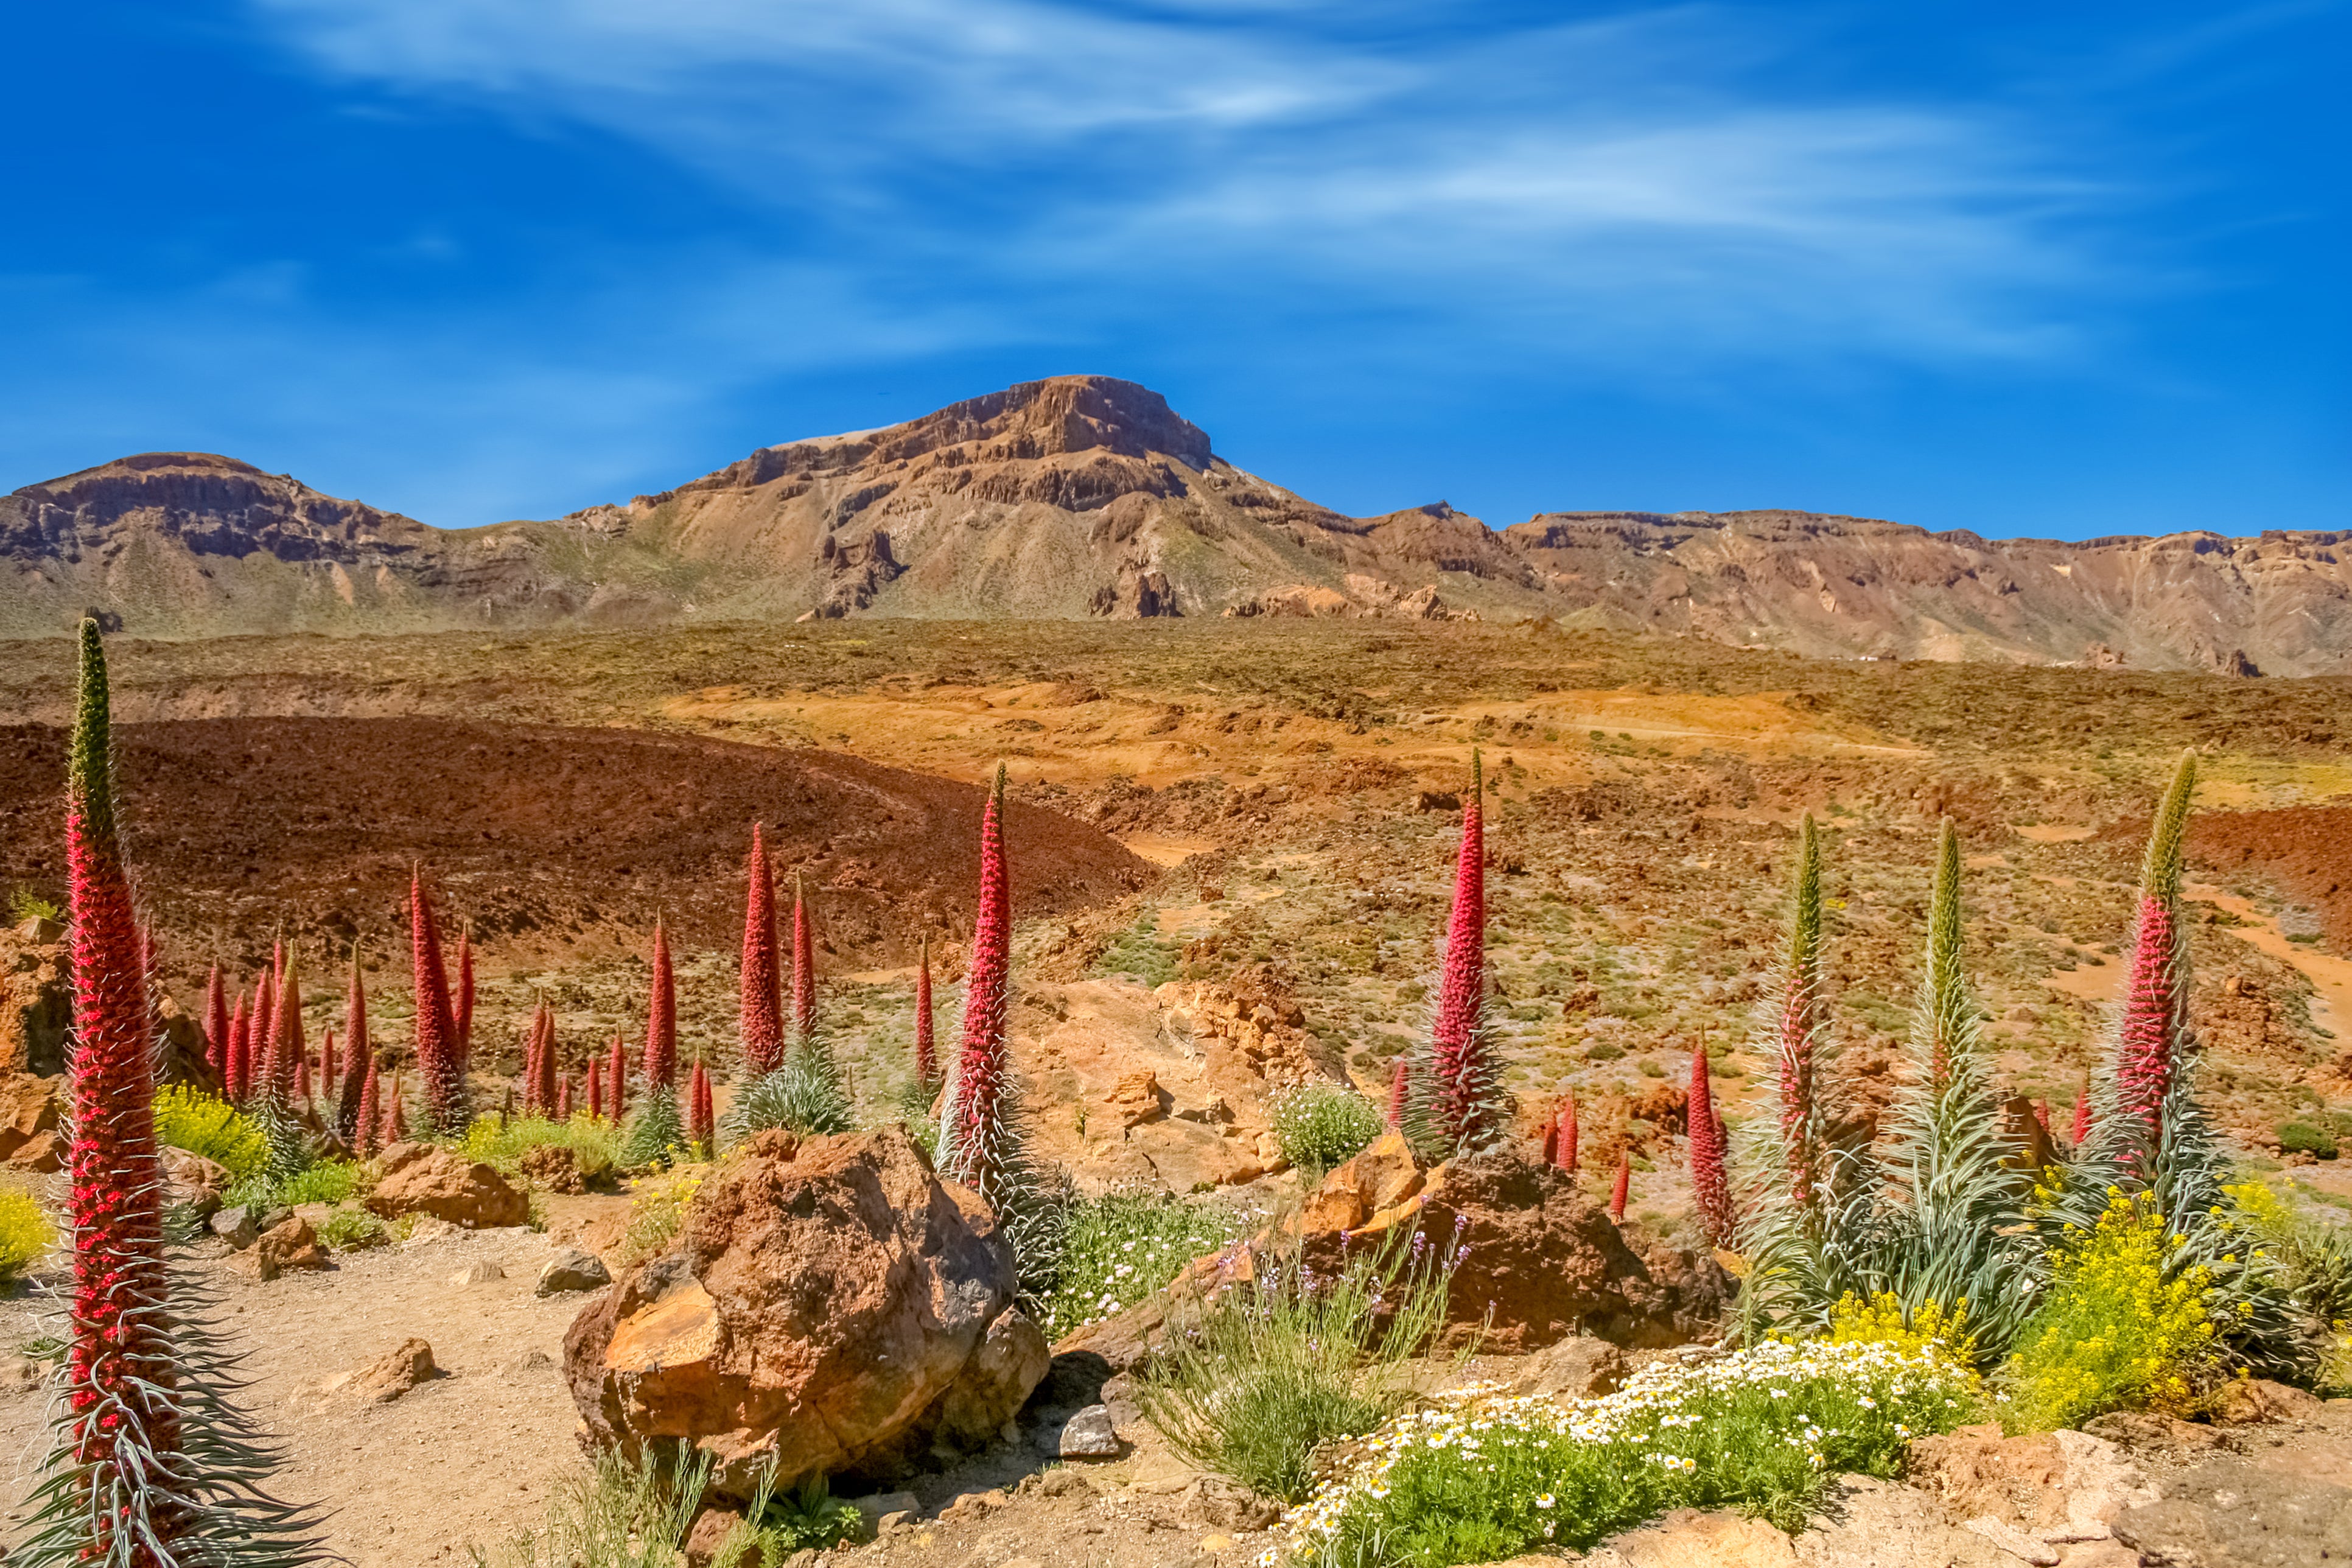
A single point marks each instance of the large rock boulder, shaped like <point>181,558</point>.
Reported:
<point>419,1178</point>
<point>1542,1262</point>
<point>30,1134</point>
<point>829,1303</point>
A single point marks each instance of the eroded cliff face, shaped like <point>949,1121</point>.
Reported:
<point>1087,495</point>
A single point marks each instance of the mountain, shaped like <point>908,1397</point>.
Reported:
<point>1085,496</point>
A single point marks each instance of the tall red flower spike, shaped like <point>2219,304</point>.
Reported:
<point>2153,1043</point>
<point>1549,1138</point>
<point>1398,1084</point>
<point>438,1057</point>
<point>803,966</point>
<point>2042,1113</point>
<point>762,1018</point>
<point>367,1132</point>
<point>1710,1187</point>
<point>123,1419</point>
<point>1618,1194</point>
<point>596,1089</point>
<point>461,1012</point>
<point>2082,1129</point>
<point>661,1019</point>
<point>327,1064</point>
<point>233,1077</point>
<point>1567,1135</point>
<point>564,1097</point>
<point>284,1062</point>
<point>359,1060</point>
<point>302,1079</point>
<point>1467,1080</point>
<point>257,1025</point>
<point>616,1073</point>
<point>926,1059</point>
<point>977,1150</point>
<point>701,1124</point>
<point>395,1118</point>
<point>216,1024</point>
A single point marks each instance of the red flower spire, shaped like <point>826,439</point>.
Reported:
<point>327,1062</point>
<point>661,1019</point>
<point>233,1080</point>
<point>359,1062</point>
<point>701,1124</point>
<point>284,1067</point>
<point>1710,1188</point>
<point>1618,1194</point>
<point>1567,1135</point>
<point>541,1096</point>
<point>216,1024</point>
<point>803,966</point>
<point>927,1060</point>
<point>596,1089</point>
<point>438,1052</point>
<point>1467,1080</point>
<point>762,1018</point>
<point>366,1135</point>
<point>256,1027</point>
<point>395,1118</point>
<point>302,1079</point>
<point>122,1421</point>
<point>616,1073</point>
<point>2154,1043</point>
<point>1549,1138</point>
<point>564,1097</point>
<point>979,1148</point>
<point>461,1012</point>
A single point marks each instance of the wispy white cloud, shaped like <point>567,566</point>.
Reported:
<point>1599,188</point>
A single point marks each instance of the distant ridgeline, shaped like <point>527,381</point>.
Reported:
<point>1083,496</point>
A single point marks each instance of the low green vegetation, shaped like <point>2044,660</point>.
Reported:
<point>202,1124</point>
<point>502,1142</point>
<point>355,1230</point>
<point>1321,1124</point>
<point>623,1512</point>
<point>1763,1430</point>
<point>2303,1138</point>
<point>1141,953</point>
<point>1121,1247</point>
<point>659,1212</point>
<point>1263,1369</point>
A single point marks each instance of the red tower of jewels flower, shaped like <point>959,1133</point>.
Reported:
<point>701,1123</point>
<point>927,1060</point>
<point>616,1074</point>
<point>1618,1194</point>
<point>981,1147</point>
<point>1466,1079</point>
<point>1710,1187</point>
<point>359,1063</point>
<point>2153,1040</point>
<point>803,966</point>
<point>661,1018</point>
<point>762,1025</point>
<point>216,1024</point>
<point>438,1052</point>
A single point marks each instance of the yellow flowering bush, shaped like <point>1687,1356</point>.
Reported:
<point>2121,1329</point>
<point>24,1231</point>
<point>1881,1321</point>
<point>659,1212</point>
<point>204,1124</point>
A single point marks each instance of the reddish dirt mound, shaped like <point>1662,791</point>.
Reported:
<point>2306,850</point>
<point>547,841</point>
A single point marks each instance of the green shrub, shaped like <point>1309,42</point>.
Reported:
<point>1264,1369</point>
<point>1122,1246</point>
<point>502,1142</point>
<point>1763,1430</point>
<point>1141,953</point>
<point>807,1519</point>
<point>355,1230</point>
<point>2121,1328</point>
<point>1603,1051</point>
<point>1321,1124</point>
<point>621,1513</point>
<point>188,1118</point>
<point>2303,1138</point>
<point>659,1212</point>
<point>25,1232</point>
<point>328,1182</point>
<point>25,904</point>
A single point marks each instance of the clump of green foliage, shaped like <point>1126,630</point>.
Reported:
<point>659,1212</point>
<point>25,1232</point>
<point>1321,1124</point>
<point>1763,1431</point>
<point>2303,1138</point>
<point>2121,1328</point>
<point>355,1230</point>
<point>1122,1246</point>
<point>622,1513</point>
<point>1141,953</point>
<point>203,1124</point>
<point>501,1142</point>
<point>25,904</point>
<point>1262,1369</point>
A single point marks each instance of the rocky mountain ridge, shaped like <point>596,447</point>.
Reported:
<point>1083,496</point>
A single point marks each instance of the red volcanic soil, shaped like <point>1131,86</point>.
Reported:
<point>2305,850</point>
<point>546,841</point>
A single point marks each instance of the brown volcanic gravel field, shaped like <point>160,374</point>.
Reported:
<point>2306,850</point>
<point>549,841</point>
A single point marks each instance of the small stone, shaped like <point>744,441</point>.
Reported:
<point>238,1225</point>
<point>1217,1544</point>
<point>573,1268</point>
<point>875,1508</point>
<point>1089,1434</point>
<point>2251,1401</point>
<point>481,1271</point>
<point>711,1528</point>
<point>892,1522</point>
<point>528,1363</point>
<point>292,1243</point>
<point>1227,1505</point>
<point>397,1371</point>
<point>20,1372</point>
<point>272,1218</point>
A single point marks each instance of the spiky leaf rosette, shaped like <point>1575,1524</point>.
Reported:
<point>440,1058</point>
<point>1710,1178</point>
<point>702,1121</point>
<point>805,1095</point>
<point>804,965</point>
<point>1471,1109</point>
<point>358,1054</point>
<point>661,1017</point>
<point>656,1133</point>
<point>926,1059</point>
<point>150,1467</point>
<point>761,1015</point>
<point>984,1143</point>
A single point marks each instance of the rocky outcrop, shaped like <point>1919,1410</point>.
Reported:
<point>423,1179</point>
<point>35,998</point>
<point>1540,1263</point>
<point>830,1305</point>
<point>29,1138</point>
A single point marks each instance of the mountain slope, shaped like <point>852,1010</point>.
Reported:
<point>1087,496</point>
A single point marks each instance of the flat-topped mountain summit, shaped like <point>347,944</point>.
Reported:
<point>1082,496</point>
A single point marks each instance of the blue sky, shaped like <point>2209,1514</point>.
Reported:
<point>2025,268</point>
